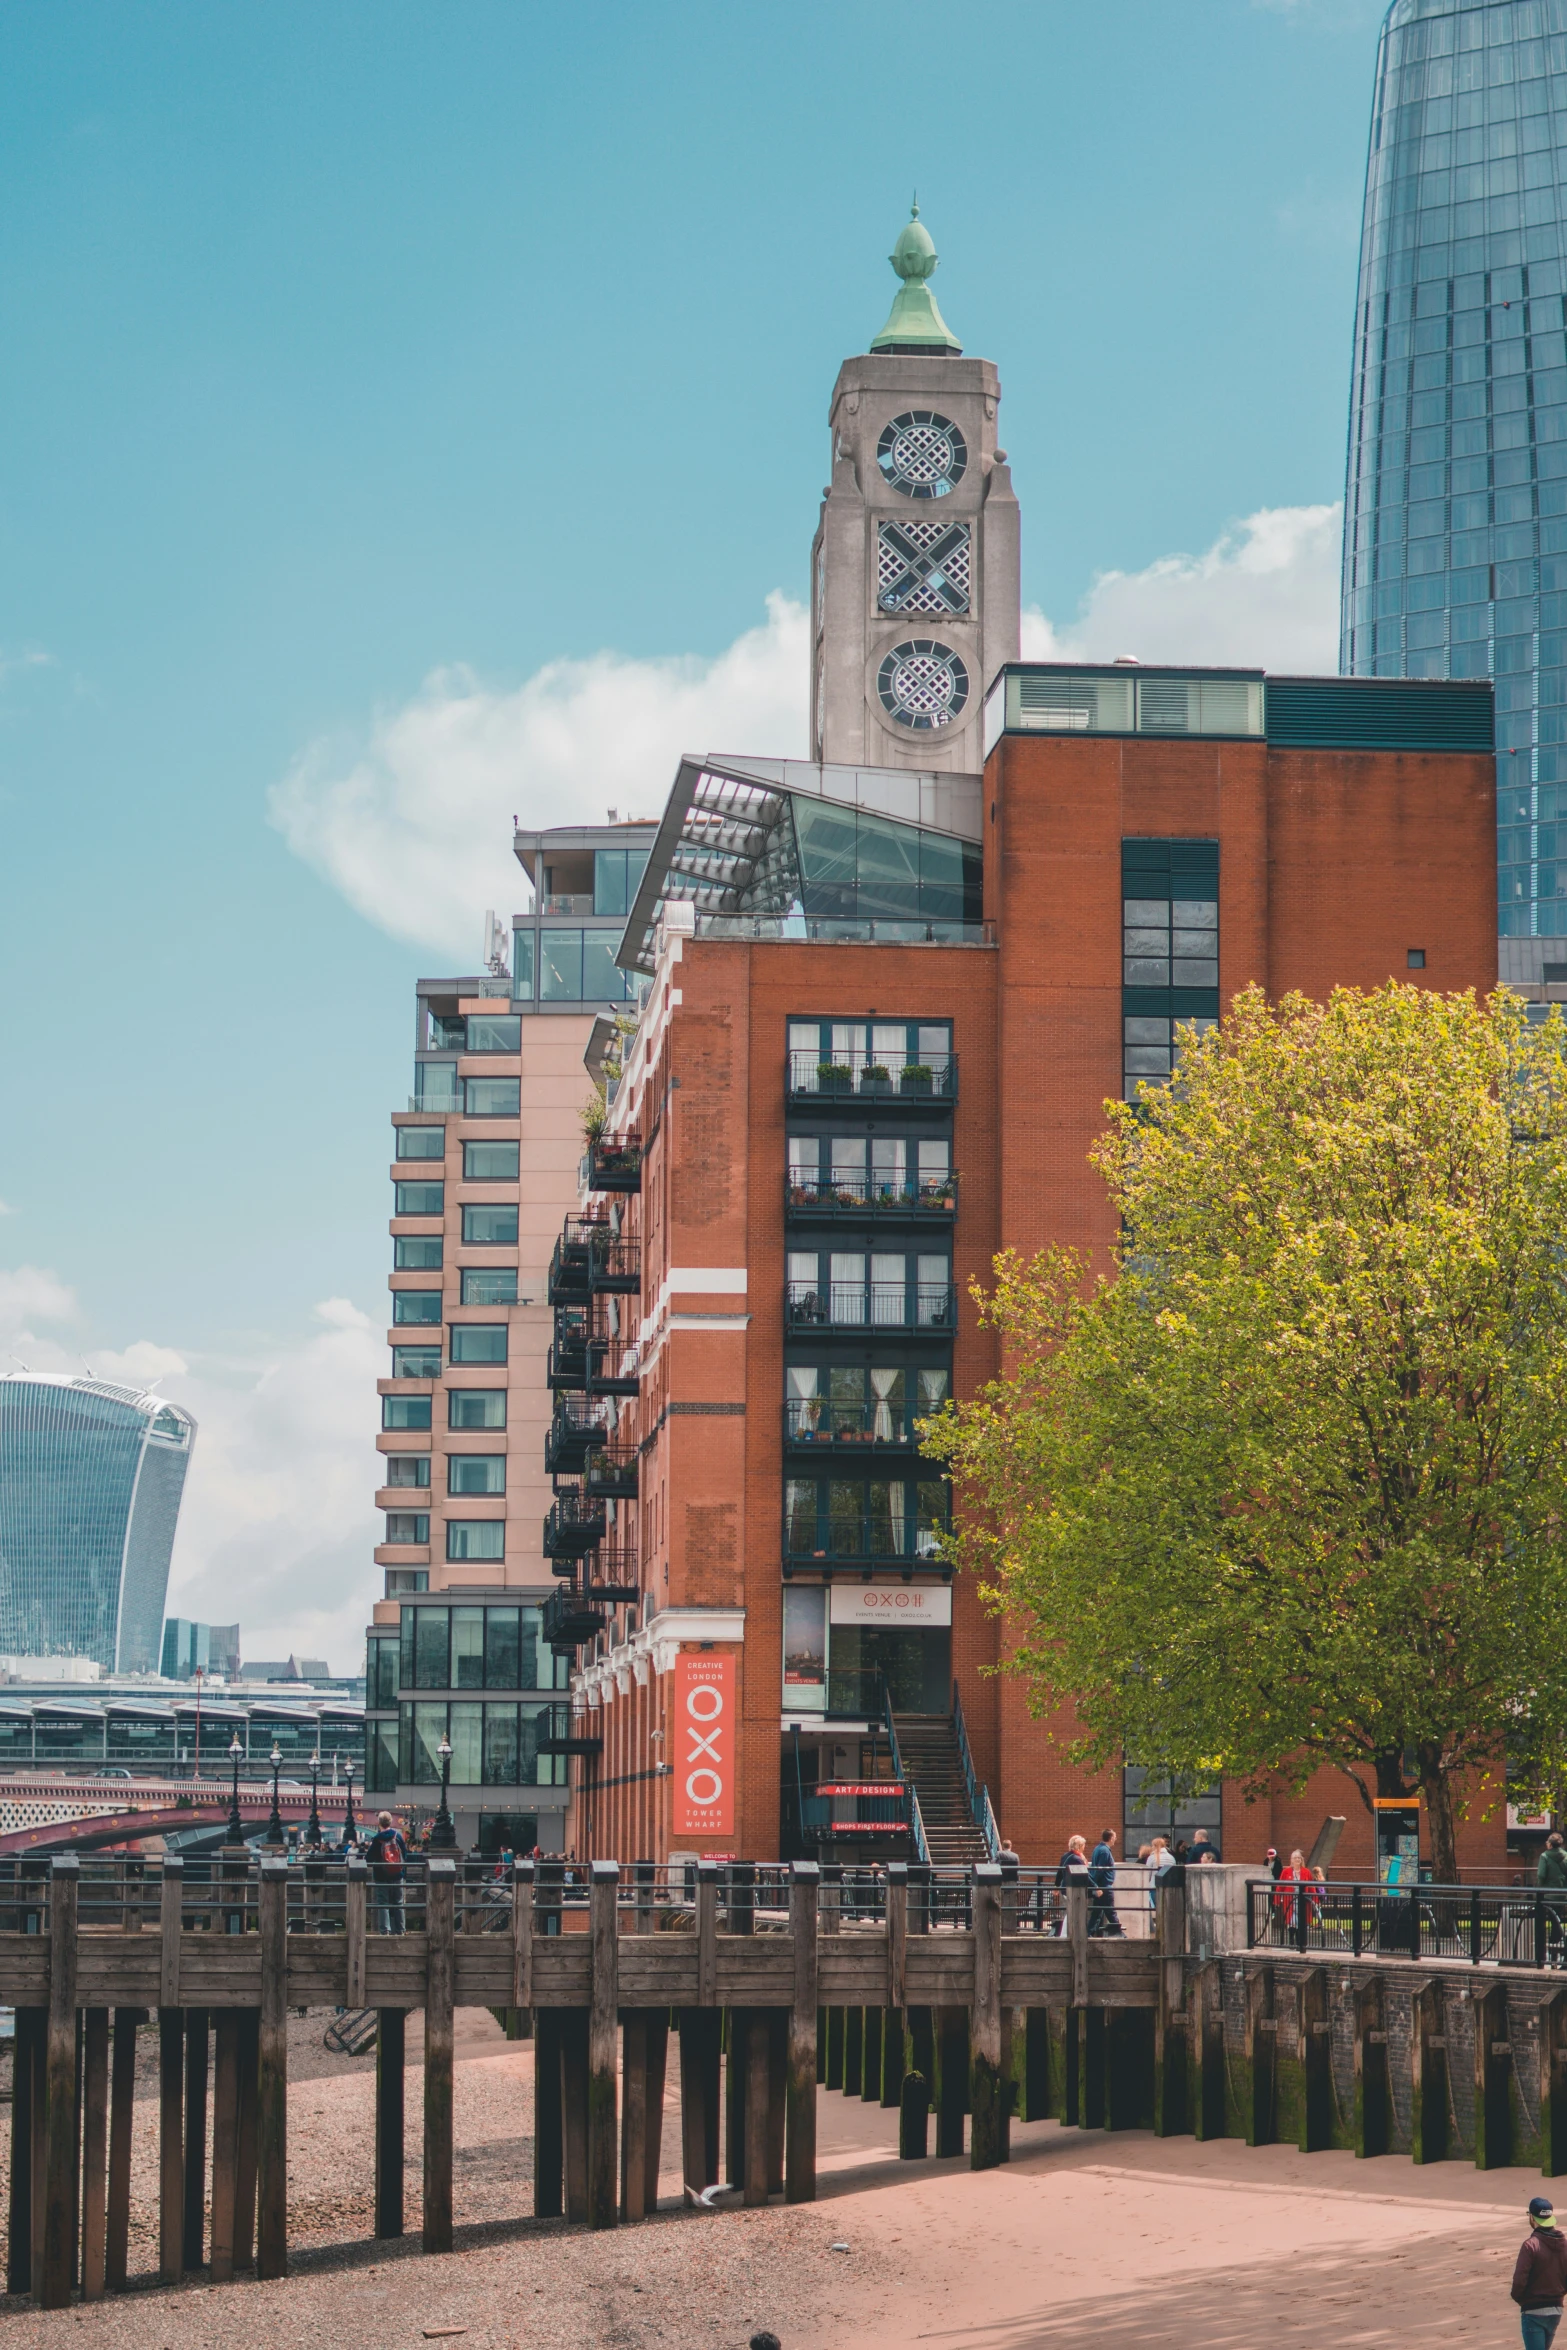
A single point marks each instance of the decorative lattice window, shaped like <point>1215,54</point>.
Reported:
<point>922,684</point>
<point>923,566</point>
<point>922,454</point>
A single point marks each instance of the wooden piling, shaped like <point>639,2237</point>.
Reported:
<point>951,2091</point>
<point>757,2086</point>
<point>272,2074</point>
<point>549,2174</point>
<point>171,2145</point>
<point>1428,2131</point>
<point>391,2046</point>
<point>1493,2055</point>
<point>574,2111</point>
<point>225,2141</point>
<point>800,2093</point>
<point>736,2022</point>
<point>31,2032</point>
<point>634,2119</point>
<point>95,2151</point>
<point>777,2094</point>
<point>246,2163</point>
<point>987,2089</point>
<point>707,1933</point>
<point>195,2137</point>
<point>356,1883</point>
<point>440,1988</point>
<point>869,2086</point>
<point>700,2060</point>
<point>53,2287</point>
<point>1257,2071</point>
<point>1373,2109</point>
<point>1553,2083</point>
<point>1204,1998</point>
<point>657,2023</point>
<point>1316,2048</point>
<point>1172,2029</point>
<point>604,1993</point>
<point>122,2121</point>
<point>833,2074</point>
<point>853,2050</point>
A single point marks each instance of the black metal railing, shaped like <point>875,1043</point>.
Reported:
<point>876,1305</point>
<point>1505,1925</point>
<point>874,1540</point>
<point>812,1420</point>
<point>613,1166</point>
<point>575,1524</point>
<point>861,1076</point>
<point>611,1471</point>
<point>929,1197</point>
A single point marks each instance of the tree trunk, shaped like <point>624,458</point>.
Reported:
<point>1436,1786</point>
<point>1392,1780</point>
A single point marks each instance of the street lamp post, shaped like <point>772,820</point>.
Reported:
<point>350,1824</point>
<point>313,1837</point>
<point>236,1830</point>
<point>443,1833</point>
<point>275,1835</point>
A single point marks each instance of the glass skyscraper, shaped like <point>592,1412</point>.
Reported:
<point>1455,519</point>
<point>90,1482</point>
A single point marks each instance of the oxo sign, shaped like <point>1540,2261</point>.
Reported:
<point>704,1746</point>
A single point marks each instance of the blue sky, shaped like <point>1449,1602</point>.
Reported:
<point>368,376</point>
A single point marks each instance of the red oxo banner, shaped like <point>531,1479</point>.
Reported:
<point>704,1746</point>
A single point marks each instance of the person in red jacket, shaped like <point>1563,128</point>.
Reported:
<point>1540,2277</point>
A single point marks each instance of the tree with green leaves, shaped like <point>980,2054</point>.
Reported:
<point>1289,1487</point>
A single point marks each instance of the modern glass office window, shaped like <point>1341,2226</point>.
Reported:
<point>415,1362</point>
<point>492,1097</point>
<point>478,1342</point>
<point>476,1538</point>
<point>1455,518</point>
<point>494,1032</point>
<point>578,966</point>
<point>490,1162</point>
<point>436,1651</point>
<point>491,1745</point>
<point>416,1305</point>
<point>407,1468</point>
<point>1169,951</point>
<point>489,1285</point>
<point>522,965</point>
<point>417,1252</point>
<point>856,1288</point>
<point>381,1673</point>
<point>435,1086</point>
<point>405,1411</point>
<point>419,1199</point>
<point>476,1472</point>
<point>616,873</point>
<point>484,1226</point>
<point>476,1407</point>
<point>420,1142</point>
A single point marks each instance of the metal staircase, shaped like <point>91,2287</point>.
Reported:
<point>959,1825</point>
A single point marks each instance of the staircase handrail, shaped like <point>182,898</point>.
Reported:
<point>979,1803</point>
<point>910,1791</point>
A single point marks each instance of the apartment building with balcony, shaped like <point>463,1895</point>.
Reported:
<point>486,1159</point>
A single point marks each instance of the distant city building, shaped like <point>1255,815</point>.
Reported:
<point>91,1476</point>
<point>191,1648</point>
<point>1455,517</point>
<point>49,1668</point>
<point>488,1157</point>
<point>156,1727</point>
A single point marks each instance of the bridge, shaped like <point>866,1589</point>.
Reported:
<point>43,1812</point>
<point>1432,2023</point>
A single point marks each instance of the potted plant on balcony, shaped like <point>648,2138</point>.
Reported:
<point>834,1077</point>
<point>917,1078</point>
<point>876,1079</point>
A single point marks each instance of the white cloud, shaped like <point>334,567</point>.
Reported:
<point>278,1523</point>
<point>411,823</point>
<point>1264,595</point>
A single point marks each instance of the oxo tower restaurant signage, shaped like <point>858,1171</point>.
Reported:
<point>704,1746</point>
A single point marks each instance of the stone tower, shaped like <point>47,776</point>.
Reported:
<point>914,570</point>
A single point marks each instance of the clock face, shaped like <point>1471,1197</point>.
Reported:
<point>923,684</point>
<point>922,454</point>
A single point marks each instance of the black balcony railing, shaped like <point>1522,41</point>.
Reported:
<point>572,1261</point>
<point>577,1427</point>
<point>560,1731</point>
<point>875,1540</point>
<point>615,1266</point>
<point>875,1305</point>
<point>567,1367</point>
<point>871,1077</point>
<point>1502,1925</point>
<point>929,1198</point>
<point>614,1166</point>
<point>849,1427</point>
<point>569,1621</point>
<point>612,1367</point>
<point>574,1525</point>
<point>611,1470</point>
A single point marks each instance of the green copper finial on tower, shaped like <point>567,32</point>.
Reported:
<point>914,324</point>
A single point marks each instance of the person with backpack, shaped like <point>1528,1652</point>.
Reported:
<point>1551,1872</point>
<point>387,1854</point>
<point>1540,2277</point>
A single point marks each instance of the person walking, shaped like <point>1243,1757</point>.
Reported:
<point>1101,1868</point>
<point>1551,1872</point>
<point>387,1854</point>
<point>1160,1859</point>
<point>1071,1869</point>
<point>1540,2276</point>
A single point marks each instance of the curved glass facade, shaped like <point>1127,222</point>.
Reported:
<point>1455,518</point>
<point>91,1478</point>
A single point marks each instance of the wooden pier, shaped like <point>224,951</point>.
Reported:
<point>962,1999</point>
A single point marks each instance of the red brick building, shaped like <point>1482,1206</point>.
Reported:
<point>886,1009</point>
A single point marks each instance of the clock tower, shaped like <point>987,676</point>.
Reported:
<point>914,570</point>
